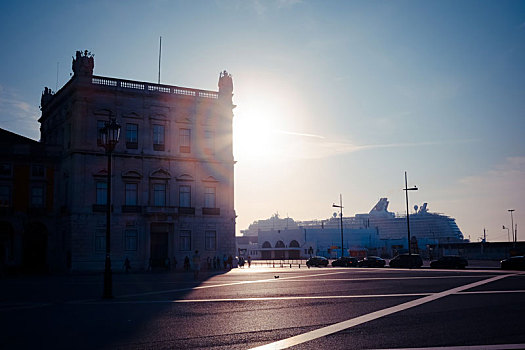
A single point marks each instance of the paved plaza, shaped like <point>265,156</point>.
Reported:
<point>299,308</point>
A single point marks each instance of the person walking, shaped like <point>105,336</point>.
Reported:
<point>174,264</point>
<point>127,265</point>
<point>196,264</point>
<point>186,263</point>
<point>230,262</point>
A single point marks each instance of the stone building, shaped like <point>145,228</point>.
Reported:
<point>172,170</point>
<point>28,239</point>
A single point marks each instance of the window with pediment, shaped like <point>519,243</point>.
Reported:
<point>184,196</point>
<point>158,137</point>
<point>101,192</point>
<point>132,135</point>
<point>185,140</point>
<point>159,181</point>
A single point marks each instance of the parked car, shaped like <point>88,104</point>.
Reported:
<point>407,261</point>
<point>513,263</point>
<point>449,262</point>
<point>345,261</point>
<point>317,261</point>
<point>371,261</point>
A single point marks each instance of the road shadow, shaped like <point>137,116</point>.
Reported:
<point>68,311</point>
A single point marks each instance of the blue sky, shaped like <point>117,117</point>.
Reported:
<point>333,96</point>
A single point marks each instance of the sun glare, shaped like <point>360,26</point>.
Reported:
<point>259,120</point>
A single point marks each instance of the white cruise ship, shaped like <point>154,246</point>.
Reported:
<point>425,226</point>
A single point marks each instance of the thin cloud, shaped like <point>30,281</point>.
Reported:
<point>16,114</point>
<point>416,144</point>
<point>511,168</point>
<point>299,134</point>
<point>486,196</point>
<point>313,146</point>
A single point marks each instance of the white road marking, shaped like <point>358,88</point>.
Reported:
<point>224,285</point>
<point>273,280</point>
<point>494,291</point>
<point>360,296</point>
<point>337,327</point>
<point>392,278</point>
<point>216,300</point>
<point>469,347</point>
<point>291,279</point>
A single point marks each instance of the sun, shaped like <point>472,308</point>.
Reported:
<point>254,132</point>
<point>261,116</point>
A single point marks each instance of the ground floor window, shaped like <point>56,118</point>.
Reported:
<point>130,239</point>
<point>102,196</point>
<point>211,240</point>
<point>185,240</point>
<point>100,240</point>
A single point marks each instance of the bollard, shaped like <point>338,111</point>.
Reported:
<point>299,265</point>
<point>290,265</point>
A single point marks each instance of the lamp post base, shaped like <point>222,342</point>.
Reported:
<point>108,282</point>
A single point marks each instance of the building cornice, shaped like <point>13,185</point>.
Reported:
<point>117,155</point>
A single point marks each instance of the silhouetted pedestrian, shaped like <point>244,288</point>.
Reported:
<point>127,265</point>
<point>196,264</point>
<point>174,264</point>
<point>186,263</point>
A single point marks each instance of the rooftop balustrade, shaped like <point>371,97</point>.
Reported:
<point>151,87</point>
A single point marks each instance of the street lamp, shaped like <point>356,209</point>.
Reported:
<point>109,136</point>
<point>508,232</point>
<point>512,226</point>
<point>340,206</point>
<point>406,189</point>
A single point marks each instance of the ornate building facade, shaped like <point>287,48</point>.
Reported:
<point>172,171</point>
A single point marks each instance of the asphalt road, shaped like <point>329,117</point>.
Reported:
<point>318,308</point>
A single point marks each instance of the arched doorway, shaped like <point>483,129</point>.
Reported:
<point>295,253</point>
<point>159,244</point>
<point>35,248</point>
<point>266,254</point>
<point>279,254</point>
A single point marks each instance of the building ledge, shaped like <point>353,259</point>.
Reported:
<point>186,211</point>
<point>211,211</point>
<point>101,208</point>
<point>131,209</point>
<point>162,210</point>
